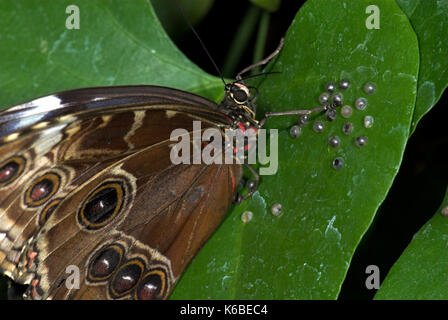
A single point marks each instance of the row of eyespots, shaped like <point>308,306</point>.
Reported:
<point>99,208</point>
<point>11,169</point>
<point>39,192</point>
<point>128,276</point>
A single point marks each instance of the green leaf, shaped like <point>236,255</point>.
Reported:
<point>171,18</point>
<point>305,253</point>
<point>119,42</point>
<point>269,5</point>
<point>421,271</point>
<point>430,22</point>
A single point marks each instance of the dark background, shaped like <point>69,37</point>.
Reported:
<point>419,187</point>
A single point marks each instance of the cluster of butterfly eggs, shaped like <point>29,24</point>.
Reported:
<point>331,96</point>
<point>335,98</point>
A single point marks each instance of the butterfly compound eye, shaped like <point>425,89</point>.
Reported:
<point>240,96</point>
<point>240,93</point>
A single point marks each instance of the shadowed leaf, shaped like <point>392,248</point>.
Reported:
<point>421,271</point>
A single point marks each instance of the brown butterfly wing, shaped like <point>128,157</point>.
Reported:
<point>172,211</point>
<point>90,156</point>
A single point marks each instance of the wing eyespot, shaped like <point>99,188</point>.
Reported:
<point>11,169</point>
<point>153,285</point>
<point>42,189</point>
<point>48,210</point>
<point>102,205</point>
<point>126,278</point>
<point>103,264</point>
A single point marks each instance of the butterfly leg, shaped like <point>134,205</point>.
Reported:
<point>292,112</point>
<point>252,186</point>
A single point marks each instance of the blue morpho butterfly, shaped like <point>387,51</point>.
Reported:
<point>86,183</point>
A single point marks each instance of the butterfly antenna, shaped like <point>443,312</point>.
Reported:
<point>258,75</point>
<point>200,40</point>
<point>262,62</point>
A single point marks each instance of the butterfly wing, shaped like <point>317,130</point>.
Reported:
<point>87,183</point>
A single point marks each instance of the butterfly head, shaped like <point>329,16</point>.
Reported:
<point>238,92</point>
<point>239,103</point>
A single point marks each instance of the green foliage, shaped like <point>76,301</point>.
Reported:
<point>119,42</point>
<point>421,271</point>
<point>171,18</point>
<point>306,252</point>
<point>269,5</point>
<point>430,22</point>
